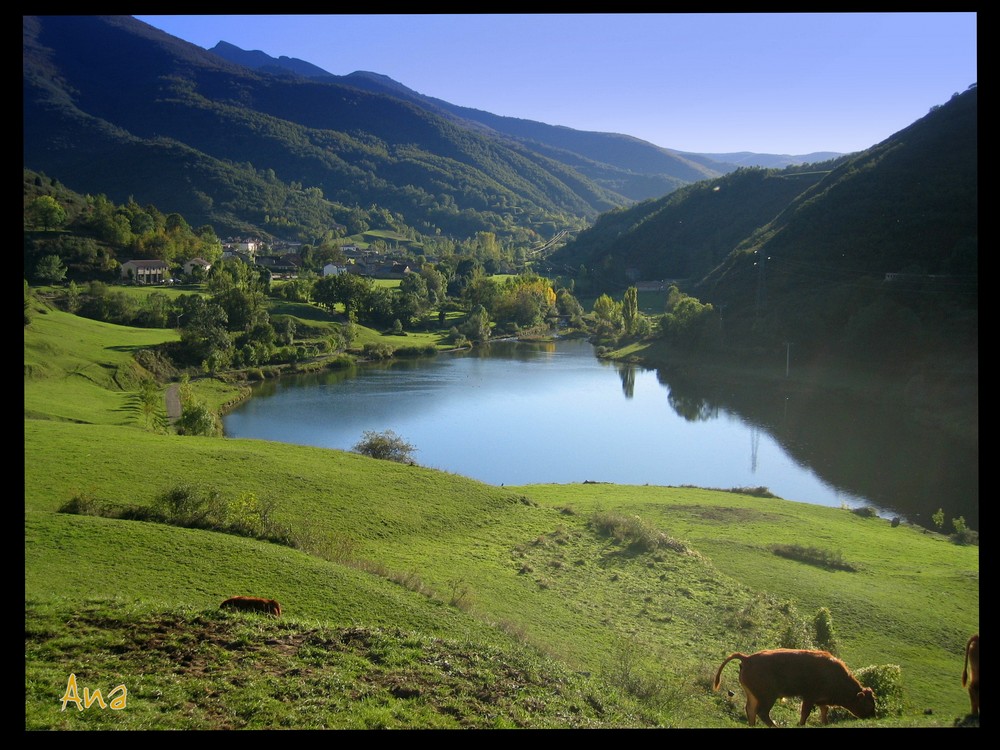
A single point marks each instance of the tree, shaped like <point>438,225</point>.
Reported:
<point>630,309</point>
<point>348,289</point>
<point>608,312</point>
<point>151,403</point>
<point>938,518</point>
<point>50,269</point>
<point>46,212</point>
<point>477,326</point>
<point>569,306</point>
<point>387,446</point>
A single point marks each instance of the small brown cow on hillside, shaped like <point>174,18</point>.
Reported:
<point>817,677</point>
<point>253,604</point>
<point>970,672</point>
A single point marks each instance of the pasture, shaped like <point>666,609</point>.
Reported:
<point>420,598</point>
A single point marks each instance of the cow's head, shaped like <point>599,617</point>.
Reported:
<point>864,704</point>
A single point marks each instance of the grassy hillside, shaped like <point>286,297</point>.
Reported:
<point>425,599</point>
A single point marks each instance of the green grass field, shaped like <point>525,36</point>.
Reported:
<point>429,600</point>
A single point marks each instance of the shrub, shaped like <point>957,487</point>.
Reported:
<point>377,351</point>
<point>825,637</point>
<point>80,505</point>
<point>427,350</point>
<point>387,446</point>
<point>886,681</point>
<point>814,556</point>
<point>966,536</point>
<point>197,419</point>
<point>752,491</point>
<point>865,511</point>
<point>633,532</point>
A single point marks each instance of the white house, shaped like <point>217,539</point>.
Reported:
<point>332,269</point>
<point>194,263</point>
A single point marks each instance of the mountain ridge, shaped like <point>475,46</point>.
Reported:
<point>720,162</point>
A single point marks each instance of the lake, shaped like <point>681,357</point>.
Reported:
<point>518,413</point>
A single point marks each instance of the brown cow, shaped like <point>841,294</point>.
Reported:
<point>817,677</point>
<point>970,672</point>
<point>252,604</point>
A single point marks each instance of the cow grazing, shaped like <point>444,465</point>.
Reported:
<point>970,672</point>
<point>817,677</point>
<point>252,604</point>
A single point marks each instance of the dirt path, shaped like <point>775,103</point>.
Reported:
<point>173,403</point>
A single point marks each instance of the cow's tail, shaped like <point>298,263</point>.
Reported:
<point>718,674</point>
<point>965,666</point>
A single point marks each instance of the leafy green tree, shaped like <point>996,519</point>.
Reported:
<point>608,312</point>
<point>687,322</point>
<point>436,284</point>
<point>477,325</point>
<point>73,298</point>
<point>938,518</point>
<point>204,335</point>
<point>151,403</point>
<point>50,270</point>
<point>244,308</point>
<point>348,289</point>
<point>154,311</point>
<point>630,309</point>
<point>569,306</point>
<point>46,212</point>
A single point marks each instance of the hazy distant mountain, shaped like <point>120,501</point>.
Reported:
<point>778,161</point>
<point>619,150</point>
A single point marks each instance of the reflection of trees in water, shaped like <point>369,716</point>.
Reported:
<point>627,373</point>
<point>520,351</point>
<point>876,451</point>
<point>692,408</point>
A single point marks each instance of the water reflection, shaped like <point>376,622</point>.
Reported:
<point>876,451</point>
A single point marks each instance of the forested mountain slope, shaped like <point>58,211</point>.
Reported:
<point>172,124</point>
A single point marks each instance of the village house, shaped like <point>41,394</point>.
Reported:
<point>194,263</point>
<point>145,271</point>
<point>288,264</point>
<point>333,269</point>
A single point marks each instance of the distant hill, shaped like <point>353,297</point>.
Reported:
<point>750,159</point>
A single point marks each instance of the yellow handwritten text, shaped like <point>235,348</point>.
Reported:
<point>117,697</point>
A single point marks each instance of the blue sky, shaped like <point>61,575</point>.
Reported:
<point>780,83</point>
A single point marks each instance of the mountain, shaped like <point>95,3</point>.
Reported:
<point>625,165</point>
<point>873,255</point>
<point>115,106</point>
<point>660,170</point>
<point>892,230</point>
<point>750,159</point>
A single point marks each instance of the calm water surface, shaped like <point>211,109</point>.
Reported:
<point>553,413</point>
